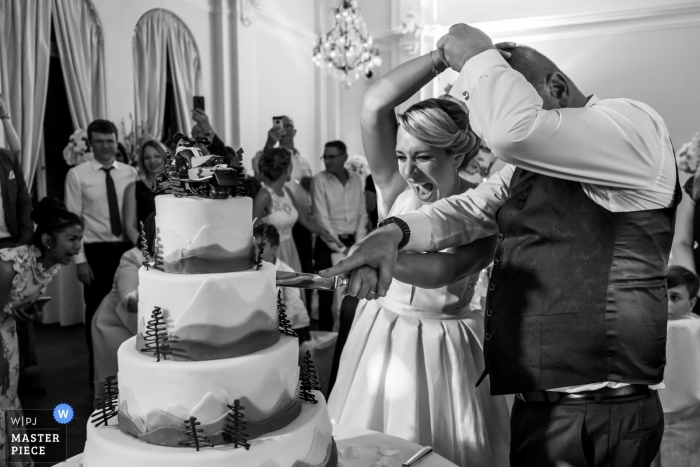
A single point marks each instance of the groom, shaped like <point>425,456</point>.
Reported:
<point>576,310</point>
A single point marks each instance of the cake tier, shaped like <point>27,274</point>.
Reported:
<point>211,316</point>
<point>305,442</point>
<point>161,395</point>
<point>202,235</point>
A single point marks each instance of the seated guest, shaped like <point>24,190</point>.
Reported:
<point>680,398</point>
<point>274,205</point>
<point>683,288</point>
<point>115,319</point>
<point>25,272</point>
<point>291,297</point>
<point>151,162</point>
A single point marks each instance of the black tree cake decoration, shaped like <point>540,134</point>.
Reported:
<point>106,402</point>
<point>285,326</point>
<point>198,440</point>
<point>158,248</point>
<point>308,380</point>
<point>144,247</point>
<point>156,337</point>
<point>236,425</point>
<point>259,260</point>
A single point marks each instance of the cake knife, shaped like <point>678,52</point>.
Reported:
<point>418,456</point>
<point>303,280</point>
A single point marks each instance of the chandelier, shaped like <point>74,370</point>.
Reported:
<point>347,49</point>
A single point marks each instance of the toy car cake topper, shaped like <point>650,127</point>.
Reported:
<point>189,173</point>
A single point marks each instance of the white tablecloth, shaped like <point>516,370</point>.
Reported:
<point>67,306</point>
<point>364,447</point>
<point>682,373</point>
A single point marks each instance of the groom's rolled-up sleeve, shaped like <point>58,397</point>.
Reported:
<point>460,219</point>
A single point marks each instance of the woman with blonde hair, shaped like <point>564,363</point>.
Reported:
<point>151,162</point>
<point>413,358</point>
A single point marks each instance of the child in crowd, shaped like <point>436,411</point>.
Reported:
<point>295,309</point>
<point>683,288</point>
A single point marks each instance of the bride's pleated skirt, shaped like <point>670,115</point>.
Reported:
<point>414,377</point>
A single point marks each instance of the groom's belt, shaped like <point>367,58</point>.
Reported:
<point>625,393</point>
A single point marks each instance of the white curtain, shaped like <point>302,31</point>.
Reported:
<point>79,38</point>
<point>186,71</point>
<point>25,42</point>
<point>159,32</point>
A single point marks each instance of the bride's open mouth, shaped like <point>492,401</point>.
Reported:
<point>424,190</point>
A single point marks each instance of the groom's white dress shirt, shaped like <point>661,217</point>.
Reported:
<point>619,149</point>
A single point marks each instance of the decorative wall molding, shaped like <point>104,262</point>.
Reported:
<point>280,27</point>
<point>608,22</point>
<point>205,5</point>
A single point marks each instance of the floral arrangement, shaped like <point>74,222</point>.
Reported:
<point>358,164</point>
<point>77,150</point>
<point>689,155</point>
<point>134,139</point>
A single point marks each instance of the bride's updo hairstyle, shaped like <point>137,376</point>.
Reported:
<point>274,163</point>
<point>443,124</point>
<point>51,217</point>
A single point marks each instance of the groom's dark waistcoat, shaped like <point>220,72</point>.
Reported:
<point>577,293</point>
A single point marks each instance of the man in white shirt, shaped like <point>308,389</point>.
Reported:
<point>339,207</point>
<point>577,308</point>
<point>101,192</point>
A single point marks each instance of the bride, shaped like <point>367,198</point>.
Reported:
<point>412,360</point>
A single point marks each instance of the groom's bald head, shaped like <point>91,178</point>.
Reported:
<point>552,84</point>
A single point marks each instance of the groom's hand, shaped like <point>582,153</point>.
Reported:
<point>378,251</point>
<point>462,43</point>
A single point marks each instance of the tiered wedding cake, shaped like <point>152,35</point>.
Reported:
<point>209,355</point>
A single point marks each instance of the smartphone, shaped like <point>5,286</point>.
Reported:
<point>278,122</point>
<point>198,102</point>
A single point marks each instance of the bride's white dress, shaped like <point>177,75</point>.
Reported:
<point>410,366</point>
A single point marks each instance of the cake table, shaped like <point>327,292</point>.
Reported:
<point>367,444</point>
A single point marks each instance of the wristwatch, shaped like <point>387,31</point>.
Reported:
<point>402,225</point>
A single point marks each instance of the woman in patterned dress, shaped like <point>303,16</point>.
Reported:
<point>25,272</point>
<point>413,358</point>
<point>274,205</point>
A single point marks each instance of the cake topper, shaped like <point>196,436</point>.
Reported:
<point>284,325</point>
<point>156,337</point>
<point>235,426</point>
<point>189,173</point>
<point>106,402</point>
<point>144,247</point>
<point>198,440</point>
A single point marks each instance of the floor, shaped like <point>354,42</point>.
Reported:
<point>62,371</point>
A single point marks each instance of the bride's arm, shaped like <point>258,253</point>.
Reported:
<point>378,120</point>
<point>438,269</point>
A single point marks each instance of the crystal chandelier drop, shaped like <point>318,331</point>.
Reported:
<point>347,49</point>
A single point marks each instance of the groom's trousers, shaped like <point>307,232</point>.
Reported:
<point>610,433</point>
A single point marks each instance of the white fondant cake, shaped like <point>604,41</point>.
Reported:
<point>305,442</point>
<point>210,378</point>
<point>215,304</point>
<point>203,389</point>
<point>186,224</point>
